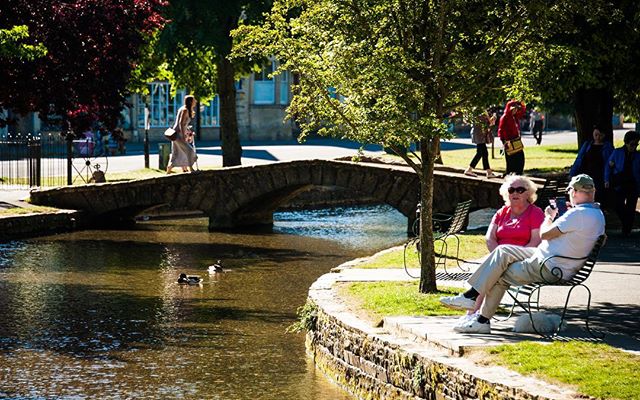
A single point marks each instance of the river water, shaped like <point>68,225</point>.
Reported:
<point>98,314</point>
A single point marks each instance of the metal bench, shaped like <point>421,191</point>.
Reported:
<point>444,226</point>
<point>531,292</point>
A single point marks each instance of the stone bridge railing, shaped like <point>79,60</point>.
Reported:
<point>244,196</point>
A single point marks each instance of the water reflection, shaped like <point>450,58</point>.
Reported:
<point>98,314</point>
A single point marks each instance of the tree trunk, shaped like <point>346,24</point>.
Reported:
<point>594,107</point>
<point>231,149</point>
<point>428,152</point>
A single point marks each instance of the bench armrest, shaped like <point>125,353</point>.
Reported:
<point>555,271</point>
<point>439,221</point>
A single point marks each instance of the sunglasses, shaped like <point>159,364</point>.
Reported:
<point>519,190</point>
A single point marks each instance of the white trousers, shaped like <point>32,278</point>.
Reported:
<point>506,265</point>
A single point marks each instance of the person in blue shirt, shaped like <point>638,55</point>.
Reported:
<point>591,159</point>
<point>622,174</point>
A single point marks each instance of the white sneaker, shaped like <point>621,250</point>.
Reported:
<point>464,319</point>
<point>473,326</point>
<point>459,302</point>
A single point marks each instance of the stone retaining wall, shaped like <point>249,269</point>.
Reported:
<point>38,224</point>
<point>372,363</point>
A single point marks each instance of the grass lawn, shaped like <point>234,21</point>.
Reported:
<point>29,210</point>
<point>597,370</point>
<point>472,247</point>
<point>539,159</point>
<point>381,299</point>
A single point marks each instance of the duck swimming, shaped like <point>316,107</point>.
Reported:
<point>189,280</point>
<point>217,267</point>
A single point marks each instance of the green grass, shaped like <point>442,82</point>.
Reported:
<point>398,298</point>
<point>472,247</point>
<point>539,159</point>
<point>597,370</point>
<point>26,210</point>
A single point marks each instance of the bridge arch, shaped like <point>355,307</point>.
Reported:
<point>239,197</point>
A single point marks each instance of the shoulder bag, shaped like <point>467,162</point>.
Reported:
<point>513,146</point>
<point>172,133</point>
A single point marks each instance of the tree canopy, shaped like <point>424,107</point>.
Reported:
<point>196,44</point>
<point>12,45</point>
<point>386,71</point>
<point>586,54</point>
<point>92,47</point>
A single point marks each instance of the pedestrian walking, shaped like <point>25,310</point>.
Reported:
<point>183,154</point>
<point>509,134</point>
<point>481,135</point>
<point>536,124</point>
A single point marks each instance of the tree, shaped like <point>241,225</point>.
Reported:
<point>586,54</point>
<point>386,71</point>
<point>11,45</point>
<point>197,43</point>
<point>91,47</point>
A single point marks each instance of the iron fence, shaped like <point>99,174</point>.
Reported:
<point>33,160</point>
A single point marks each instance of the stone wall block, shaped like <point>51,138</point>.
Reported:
<point>315,170</point>
<point>199,191</point>
<point>329,175</point>
<point>343,175</point>
<point>278,178</point>
<point>291,176</point>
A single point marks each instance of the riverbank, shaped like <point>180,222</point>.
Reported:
<point>418,357</point>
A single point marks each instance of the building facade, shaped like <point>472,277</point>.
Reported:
<point>261,104</point>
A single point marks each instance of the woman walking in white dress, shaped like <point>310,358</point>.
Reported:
<point>182,153</point>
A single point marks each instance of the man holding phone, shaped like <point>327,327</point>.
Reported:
<point>572,235</point>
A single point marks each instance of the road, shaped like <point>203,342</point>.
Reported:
<point>253,153</point>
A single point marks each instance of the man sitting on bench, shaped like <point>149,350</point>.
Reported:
<point>572,234</point>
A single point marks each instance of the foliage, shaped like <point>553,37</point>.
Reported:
<point>307,318</point>
<point>91,47</point>
<point>196,44</point>
<point>399,298</point>
<point>582,47</point>
<point>11,45</point>
<point>597,369</point>
<point>387,71</point>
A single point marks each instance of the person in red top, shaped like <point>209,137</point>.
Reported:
<point>508,130</point>
<point>517,222</point>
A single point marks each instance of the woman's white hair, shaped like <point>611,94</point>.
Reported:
<point>526,182</point>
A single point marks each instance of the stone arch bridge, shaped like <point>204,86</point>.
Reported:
<point>239,197</point>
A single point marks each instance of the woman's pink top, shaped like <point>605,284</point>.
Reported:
<point>517,230</point>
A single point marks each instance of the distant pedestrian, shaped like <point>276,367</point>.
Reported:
<point>622,174</point>
<point>481,135</point>
<point>509,134</point>
<point>591,160</point>
<point>183,154</point>
<point>536,124</point>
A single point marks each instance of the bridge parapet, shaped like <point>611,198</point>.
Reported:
<point>243,196</point>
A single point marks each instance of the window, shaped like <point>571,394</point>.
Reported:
<point>211,114</point>
<point>284,88</point>
<point>264,87</point>
<point>163,107</point>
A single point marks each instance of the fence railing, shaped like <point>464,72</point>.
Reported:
<point>33,160</point>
